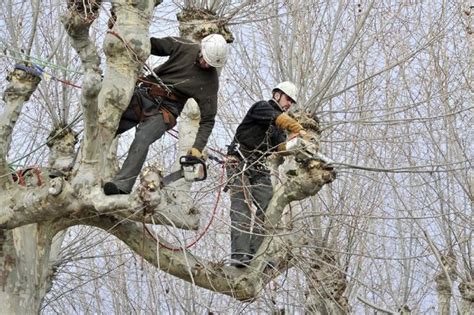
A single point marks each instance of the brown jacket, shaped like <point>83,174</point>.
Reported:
<point>185,78</point>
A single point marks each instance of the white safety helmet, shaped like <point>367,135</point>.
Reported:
<point>214,50</point>
<point>289,88</point>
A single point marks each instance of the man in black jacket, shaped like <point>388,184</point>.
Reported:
<point>261,132</point>
<point>189,72</point>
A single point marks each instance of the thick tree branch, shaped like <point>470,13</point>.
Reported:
<point>23,82</point>
<point>182,264</point>
<point>59,199</point>
<point>32,205</point>
<point>127,46</point>
<point>303,179</point>
<point>310,178</point>
<point>77,22</point>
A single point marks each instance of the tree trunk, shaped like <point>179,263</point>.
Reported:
<point>27,252</point>
<point>326,286</point>
<point>27,256</point>
<point>22,267</point>
<point>23,82</point>
<point>467,293</point>
<point>444,281</point>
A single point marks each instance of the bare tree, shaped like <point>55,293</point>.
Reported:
<point>390,85</point>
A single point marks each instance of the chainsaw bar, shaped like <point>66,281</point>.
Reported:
<point>168,179</point>
<point>305,150</point>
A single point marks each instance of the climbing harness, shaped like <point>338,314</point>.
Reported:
<point>21,175</point>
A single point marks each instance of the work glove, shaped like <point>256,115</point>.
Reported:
<point>284,121</point>
<point>281,147</point>
<point>195,152</point>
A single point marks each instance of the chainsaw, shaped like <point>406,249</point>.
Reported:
<point>192,169</point>
<point>305,150</point>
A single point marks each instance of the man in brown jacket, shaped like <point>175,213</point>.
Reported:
<point>189,72</point>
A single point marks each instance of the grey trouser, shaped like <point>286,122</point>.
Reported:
<point>252,187</point>
<point>148,131</point>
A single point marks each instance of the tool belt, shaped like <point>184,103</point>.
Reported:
<point>145,105</point>
<point>155,90</point>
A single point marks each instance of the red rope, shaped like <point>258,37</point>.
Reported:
<point>66,82</point>
<point>21,179</point>
<point>203,232</point>
<point>21,175</point>
<point>37,172</point>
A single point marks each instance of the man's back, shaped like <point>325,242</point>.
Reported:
<point>257,131</point>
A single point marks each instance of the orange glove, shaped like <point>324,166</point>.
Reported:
<point>284,121</point>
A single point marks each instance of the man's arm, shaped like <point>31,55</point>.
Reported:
<point>284,121</point>
<point>208,108</point>
<point>163,46</point>
<point>262,113</point>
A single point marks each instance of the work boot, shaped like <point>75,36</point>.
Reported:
<point>110,188</point>
<point>240,260</point>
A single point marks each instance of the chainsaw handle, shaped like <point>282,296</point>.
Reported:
<point>189,160</point>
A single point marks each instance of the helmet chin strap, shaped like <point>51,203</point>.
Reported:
<point>278,100</point>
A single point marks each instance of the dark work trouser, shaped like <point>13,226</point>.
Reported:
<point>252,187</point>
<point>148,131</point>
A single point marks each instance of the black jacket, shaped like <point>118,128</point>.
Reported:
<point>183,75</point>
<point>257,135</point>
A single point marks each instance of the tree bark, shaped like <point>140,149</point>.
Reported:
<point>23,82</point>
<point>326,285</point>
<point>27,264</point>
<point>466,289</point>
<point>25,251</point>
<point>77,22</point>
<point>126,46</point>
